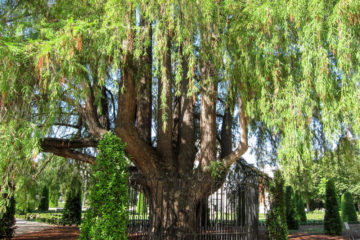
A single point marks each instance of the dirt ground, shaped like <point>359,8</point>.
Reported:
<point>309,232</point>
<point>60,232</point>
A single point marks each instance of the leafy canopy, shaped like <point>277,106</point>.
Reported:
<point>295,64</point>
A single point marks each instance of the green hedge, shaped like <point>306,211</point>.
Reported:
<point>276,226</point>
<point>44,201</point>
<point>292,219</point>
<point>300,207</point>
<point>348,211</point>
<point>72,210</point>
<point>107,217</point>
<point>332,221</point>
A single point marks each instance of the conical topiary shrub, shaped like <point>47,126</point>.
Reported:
<point>108,215</point>
<point>276,226</point>
<point>54,198</point>
<point>72,210</point>
<point>44,201</point>
<point>300,207</point>
<point>348,211</point>
<point>332,221</point>
<point>292,218</point>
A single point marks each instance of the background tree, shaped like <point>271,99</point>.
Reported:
<point>300,206</point>
<point>73,71</point>
<point>332,221</point>
<point>276,226</point>
<point>348,212</point>
<point>292,218</point>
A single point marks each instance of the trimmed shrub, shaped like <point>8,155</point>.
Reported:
<point>141,206</point>
<point>300,207</point>
<point>54,198</point>
<point>7,220</point>
<point>292,219</point>
<point>72,209</point>
<point>276,226</point>
<point>332,221</point>
<point>44,200</point>
<point>107,217</point>
<point>348,211</point>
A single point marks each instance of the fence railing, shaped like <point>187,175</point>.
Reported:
<point>229,213</point>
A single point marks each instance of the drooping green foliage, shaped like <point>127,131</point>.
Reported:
<point>107,216</point>
<point>7,219</point>
<point>348,211</point>
<point>72,209</point>
<point>292,218</point>
<point>276,226</point>
<point>300,206</point>
<point>298,60</point>
<point>44,200</point>
<point>332,221</point>
<point>141,206</point>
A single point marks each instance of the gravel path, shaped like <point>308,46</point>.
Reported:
<point>24,227</point>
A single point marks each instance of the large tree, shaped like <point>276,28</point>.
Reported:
<point>168,78</point>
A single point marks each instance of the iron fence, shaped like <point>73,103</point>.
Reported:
<point>229,213</point>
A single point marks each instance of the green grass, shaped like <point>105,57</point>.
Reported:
<point>315,215</point>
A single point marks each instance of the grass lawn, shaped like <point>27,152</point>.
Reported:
<point>315,217</point>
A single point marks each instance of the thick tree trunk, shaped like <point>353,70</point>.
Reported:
<point>175,209</point>
<point>165,113</point>
<point>144,95</point>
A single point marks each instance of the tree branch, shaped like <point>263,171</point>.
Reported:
<point>146,158</point>
<point>67,143</point>
<point>243,145</point>
<point>68,153</point>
